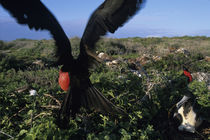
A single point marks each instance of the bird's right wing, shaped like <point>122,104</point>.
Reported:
<point>108,17</point>
<point>34,14</point>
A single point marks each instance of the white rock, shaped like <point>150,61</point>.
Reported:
<point>108,63</point>
<point>100,55</point>
<point>183,50</point>
<point>115,62</point>
<point>104,56</point>
<point>33,92</point>
<point>201,76</point>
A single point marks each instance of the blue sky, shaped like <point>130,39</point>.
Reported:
<point>158,18</point>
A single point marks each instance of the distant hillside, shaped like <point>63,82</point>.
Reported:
<point>23,52</point>
<point>111,46</point>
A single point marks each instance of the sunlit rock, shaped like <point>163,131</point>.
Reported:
<point>33,92</point>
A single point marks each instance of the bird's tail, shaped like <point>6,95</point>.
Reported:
<point>94,99</point>
<point>90,98</point>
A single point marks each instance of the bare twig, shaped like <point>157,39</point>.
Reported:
<point>57,101</point>
<point>51,106</point>
<point>147,94</point>
<point>42,114</point>
<point>150,86</point>
<point>22,89</point>
<point>19,90</point>
<point>16,113</point>
<point>32,119</point>
<point>6,134</point>
<point>200,135</point>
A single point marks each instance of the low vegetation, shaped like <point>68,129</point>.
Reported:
<point>31,64</point>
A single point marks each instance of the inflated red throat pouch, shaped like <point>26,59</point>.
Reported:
<point>64,80</point>
<point>188,74</point>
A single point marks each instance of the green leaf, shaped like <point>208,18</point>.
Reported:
<point>23,131</point>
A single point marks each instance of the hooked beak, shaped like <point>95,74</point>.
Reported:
<point>182,101</point>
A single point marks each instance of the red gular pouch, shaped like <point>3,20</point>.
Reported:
<point>188,74</point>
<point>64,80</point>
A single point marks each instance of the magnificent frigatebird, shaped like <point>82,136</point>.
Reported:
<point>108,17</point>
<point>187,110</point>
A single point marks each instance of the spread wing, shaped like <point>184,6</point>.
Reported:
<point>34,14</point>
<point>108,17</point>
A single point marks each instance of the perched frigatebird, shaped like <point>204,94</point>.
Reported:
<point>187,110</point>
<point>108,17</point>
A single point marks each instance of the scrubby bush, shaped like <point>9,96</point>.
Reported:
<point>27,117</point>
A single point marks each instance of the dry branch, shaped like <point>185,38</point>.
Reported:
<point>51,106</point>
<point>57,101</point>
<point>16,113</point>
<point>42,114</point>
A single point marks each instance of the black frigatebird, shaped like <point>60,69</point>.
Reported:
<point>108,17</point>
<point>187,110</point>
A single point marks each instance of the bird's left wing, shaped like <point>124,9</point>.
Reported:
<point>34,14</point>
<point>108,17</point>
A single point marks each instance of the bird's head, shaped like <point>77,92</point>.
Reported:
<point>188,97</point>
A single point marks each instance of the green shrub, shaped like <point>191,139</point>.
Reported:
<point>144,121</point>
